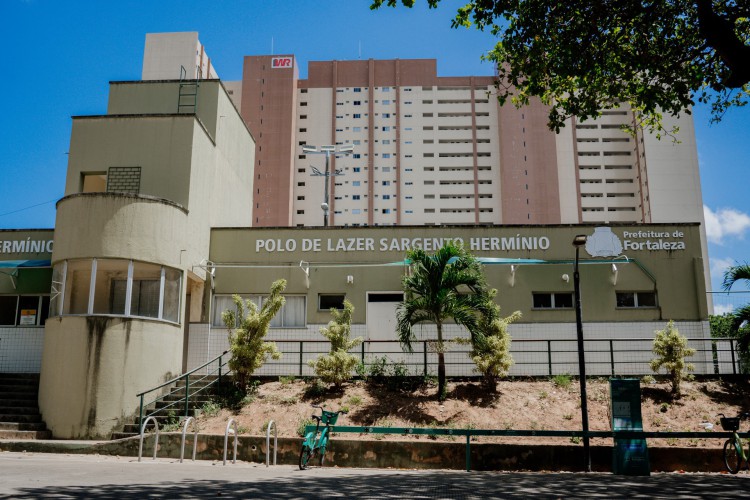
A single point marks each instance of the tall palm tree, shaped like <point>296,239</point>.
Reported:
<point>742,315</point>
<point>447,285</point>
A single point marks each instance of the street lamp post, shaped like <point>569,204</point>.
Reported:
<point>328,151</point>
<point>578,242</point>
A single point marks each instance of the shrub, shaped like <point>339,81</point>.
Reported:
<point>562,381</point>
<point>491,351</point>
<point>336,367</point>
<point>248,326</point>
<point>671,350</point>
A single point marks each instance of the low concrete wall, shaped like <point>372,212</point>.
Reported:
<point>390,454</point>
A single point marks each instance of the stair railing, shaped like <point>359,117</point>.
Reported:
<point>184,403</point>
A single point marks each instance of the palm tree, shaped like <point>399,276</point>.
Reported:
<point>742,315</point>
<point>446,285</point>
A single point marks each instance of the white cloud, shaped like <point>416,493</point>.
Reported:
<point>725,222</point>
<point>718,266</point>
<point>723,308</point>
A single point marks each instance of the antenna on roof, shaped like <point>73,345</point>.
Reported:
<point>360,49</point>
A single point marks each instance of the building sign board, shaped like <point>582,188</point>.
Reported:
<point>282,62</point>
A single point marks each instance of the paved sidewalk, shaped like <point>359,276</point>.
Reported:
<point>61,476</point>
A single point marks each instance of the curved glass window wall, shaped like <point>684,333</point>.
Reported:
<point>116,287</point>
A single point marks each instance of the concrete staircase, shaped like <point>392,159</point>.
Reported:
<point>19,410</point>
<point>171,408</point>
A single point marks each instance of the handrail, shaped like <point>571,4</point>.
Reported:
<point>268,441</point>
<point>176,379</point>
<point>195,437</point>
<point>186,377</point>
<point>156,441</point>
<point>233,423</point>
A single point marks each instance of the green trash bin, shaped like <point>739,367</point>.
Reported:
<point>629,456</point>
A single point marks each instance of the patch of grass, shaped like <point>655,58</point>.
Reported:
<point>355,400</point>
<point>648,379</point>
<point>543,395</point>
<point>286,380</point>
<point>664,407</point>
<point>575,439</point>
<point>210,409</point>
<point>568,416</point>
<point>562,381</point>
<point>302,424</point>
<point>314,389</point>
<point>241,429</point>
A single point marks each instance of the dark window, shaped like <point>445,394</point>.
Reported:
<point>636,299</point>
<point>326,302</point>
<point>8,309</point>
<point>385,297</point>
<point>553,300</point>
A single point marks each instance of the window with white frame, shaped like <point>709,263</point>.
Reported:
<point>291,315</point>
<point>23,310</point>
<point>116,287</point>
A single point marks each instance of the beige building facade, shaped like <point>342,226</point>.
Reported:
<point>132,235</point>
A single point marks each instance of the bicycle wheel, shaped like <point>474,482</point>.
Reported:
<point>731,457</point>
<point>305,455</point>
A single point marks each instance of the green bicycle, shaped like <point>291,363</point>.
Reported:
<point>734,455</point>
<point>315,444</point>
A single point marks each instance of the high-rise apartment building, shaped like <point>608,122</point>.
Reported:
<point>440,150</point>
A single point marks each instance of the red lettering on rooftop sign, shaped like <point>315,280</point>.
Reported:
<point>281,62</point>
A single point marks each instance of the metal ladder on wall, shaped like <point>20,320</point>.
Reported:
<point>187,100</point>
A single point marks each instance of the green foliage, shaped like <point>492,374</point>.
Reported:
<point>248,326</point>
<point>562,381</point>
<point>491,352</point>
<point>314,389</point>
<point>671,349</point>
<point>286,380</point>
<point>210,409</point>
<point>394,376</point>
<point>355,400</point>
<point>302,424</point>
<point>579,57</point>
<point>446,285</point>
<point>737,323</point>
<point>336,367</point>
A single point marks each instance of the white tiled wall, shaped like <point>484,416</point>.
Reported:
<point>535,347</point>
<point>21,349</point>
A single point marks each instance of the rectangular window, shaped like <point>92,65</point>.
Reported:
<point>355,197</point>
<point>386,197</point>
<point>356,129</point>
<point>357,103</point>
<point>386,129</point>
<point>386,155</point>
<point>23,310</point>
<point>386,101</point>
<point>291,315</point>
<point>636,299</point>
<point>330,301</point>
<point>93,182</point>
<point>357,89</point>
<point>552,300</point>
<point>386,115</point>
<point>356,183</point>
<point>357,115</point>
<point>386,183</point>
<point>356,169</point>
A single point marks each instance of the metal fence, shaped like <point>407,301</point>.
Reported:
<point>533,357</point>
<point>725,302</point>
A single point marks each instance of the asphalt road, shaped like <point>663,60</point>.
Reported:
<point>60,476</point>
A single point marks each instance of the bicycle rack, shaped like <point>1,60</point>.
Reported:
<point>268,441</point>
<point>195,437</point>
<point>143,430</point>
<point>233,424</point>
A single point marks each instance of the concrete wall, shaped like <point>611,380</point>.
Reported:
<point>92,368</point>
<point>678,274</point>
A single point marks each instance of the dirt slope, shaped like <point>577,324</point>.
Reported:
<point>517,404</point>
